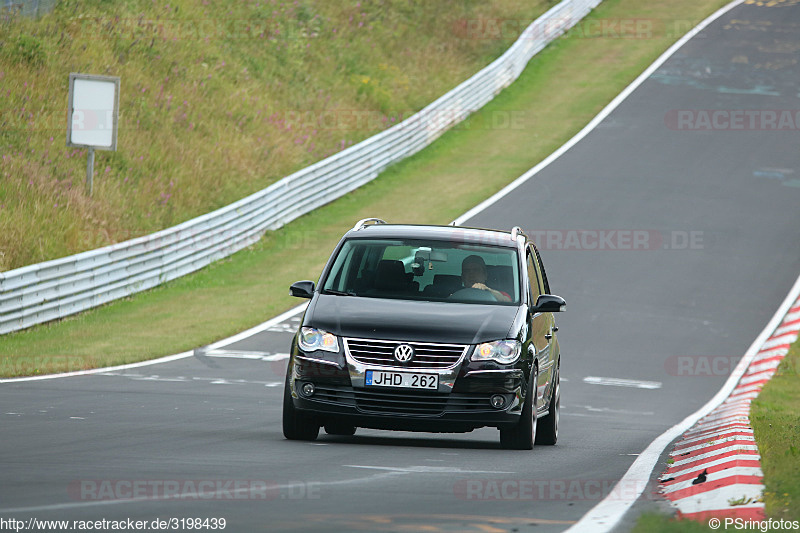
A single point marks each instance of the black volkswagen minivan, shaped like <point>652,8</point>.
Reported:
<point>427,328</point>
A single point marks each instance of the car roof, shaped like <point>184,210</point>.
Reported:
<point>444,233</point>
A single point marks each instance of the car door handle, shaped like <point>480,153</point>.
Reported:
<point>548,336</point>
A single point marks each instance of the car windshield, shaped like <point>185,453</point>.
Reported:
<point>425,270</point>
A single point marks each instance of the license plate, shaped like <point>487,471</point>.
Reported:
<point>380,378</point>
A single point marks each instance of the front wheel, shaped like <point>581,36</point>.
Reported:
<point>523,435</point>
<point>548,426</point>
<point>296,425</point>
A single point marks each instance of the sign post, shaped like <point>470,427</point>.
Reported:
<point>92,116</point>
<point>90,172</point>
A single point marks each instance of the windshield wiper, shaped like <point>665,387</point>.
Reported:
<point>339,293</point>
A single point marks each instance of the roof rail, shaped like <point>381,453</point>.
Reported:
<point>516,231</point>
<point>363,222</point>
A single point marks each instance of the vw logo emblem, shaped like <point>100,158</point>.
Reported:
<point>404,353</point>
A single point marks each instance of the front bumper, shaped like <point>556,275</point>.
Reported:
<point>460,408</point>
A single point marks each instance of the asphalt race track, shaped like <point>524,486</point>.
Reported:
<point>671,231</point>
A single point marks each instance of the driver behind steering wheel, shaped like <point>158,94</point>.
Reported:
<point>474,275</point>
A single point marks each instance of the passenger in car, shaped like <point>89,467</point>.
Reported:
<point>474,275</point>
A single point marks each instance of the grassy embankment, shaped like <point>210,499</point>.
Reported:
<point>559,92</point>
<point>218,100</point>
<point>775,416</point>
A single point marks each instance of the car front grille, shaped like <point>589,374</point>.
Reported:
<point>427,356</point>
<point>401,402</point>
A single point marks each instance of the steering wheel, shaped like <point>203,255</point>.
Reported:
<point>474,295</point>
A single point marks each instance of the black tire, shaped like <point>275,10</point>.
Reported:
<point>547,432</point>
<point>338,428</point>
<point>296,425</point>
<point>523,435</point>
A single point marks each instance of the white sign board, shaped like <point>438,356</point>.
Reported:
<point>93,111</point>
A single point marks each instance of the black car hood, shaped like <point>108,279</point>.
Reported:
<point>378,318</point>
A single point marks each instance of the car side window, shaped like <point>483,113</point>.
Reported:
<point>532,281</point>
<point>541,269</point>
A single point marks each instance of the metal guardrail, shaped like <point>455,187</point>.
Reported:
<point>55,289</point>
<point>27,8</point>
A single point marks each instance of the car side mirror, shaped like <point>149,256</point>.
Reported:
<point>550,303</point>
<point>302,289</point>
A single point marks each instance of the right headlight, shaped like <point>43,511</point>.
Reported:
<point>312,339</point>
<point>504,352</point>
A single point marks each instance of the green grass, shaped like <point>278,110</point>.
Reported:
<point>560,91</point>
<point>658,523</point>
<point>775,416</point>
<point>217,101</point>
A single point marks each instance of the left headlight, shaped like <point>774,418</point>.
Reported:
<point>312,339</point>
<point>504,352</point>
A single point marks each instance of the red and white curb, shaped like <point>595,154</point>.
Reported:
<point>717,468</point>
